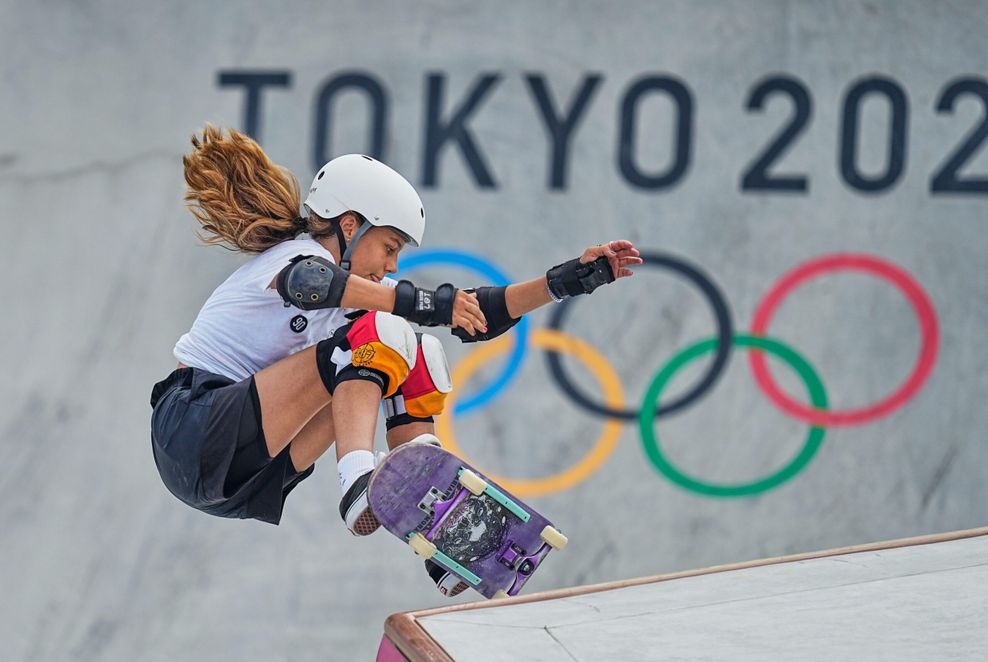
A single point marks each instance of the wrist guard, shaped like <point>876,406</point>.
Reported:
<point>425,307</point>
<point>572,278</point>
<point>492,304</point>
<point>310,283</point>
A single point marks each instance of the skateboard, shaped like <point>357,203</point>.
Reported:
<point>448,511</point>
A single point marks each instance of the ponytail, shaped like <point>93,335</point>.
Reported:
<point>239,196</point>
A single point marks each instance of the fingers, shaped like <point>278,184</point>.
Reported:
<point>622,270</point>
<point>620,254</point>
<point>624,273</point>
<point>467,314</point>
<point>619,248</point>
<point>615,265</point>
<point>622,248</point>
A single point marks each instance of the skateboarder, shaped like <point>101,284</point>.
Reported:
<point>282,360</point>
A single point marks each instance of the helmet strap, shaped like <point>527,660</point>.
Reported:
<point>348,249</point>
<point>340,239</point>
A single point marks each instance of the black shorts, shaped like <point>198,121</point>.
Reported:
<point>210,449</point>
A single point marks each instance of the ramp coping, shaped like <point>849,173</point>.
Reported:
<point>407,635</point>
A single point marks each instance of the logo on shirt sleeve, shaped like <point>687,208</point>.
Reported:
<point>298,323</point>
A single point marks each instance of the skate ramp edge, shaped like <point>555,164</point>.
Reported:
<point>913,598</point>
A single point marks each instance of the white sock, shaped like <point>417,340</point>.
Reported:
<point>352,466</point>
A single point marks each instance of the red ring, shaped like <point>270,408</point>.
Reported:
<point>838,262</point>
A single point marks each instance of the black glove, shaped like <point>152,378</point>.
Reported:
<point>572,278</point>
<point>425,307</point>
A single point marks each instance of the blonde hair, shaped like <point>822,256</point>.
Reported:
<point>239,195</point>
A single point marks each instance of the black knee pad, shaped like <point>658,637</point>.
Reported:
<point>324,362</point>
<point>363,374</point>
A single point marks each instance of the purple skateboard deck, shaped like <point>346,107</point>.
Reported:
<point>494,541</point>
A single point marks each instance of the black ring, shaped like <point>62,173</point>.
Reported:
<point>725,333</point>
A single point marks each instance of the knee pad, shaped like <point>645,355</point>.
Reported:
<point>423,394</point>
<point>377,347</point>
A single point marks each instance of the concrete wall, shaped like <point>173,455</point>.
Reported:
<point>680,100</point>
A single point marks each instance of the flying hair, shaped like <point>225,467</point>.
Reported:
<point>239,196</point>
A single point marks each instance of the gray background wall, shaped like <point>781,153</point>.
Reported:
<point>103,274</point>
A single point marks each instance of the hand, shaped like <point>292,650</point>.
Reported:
<point>620,255</point>
<point>467,314</point>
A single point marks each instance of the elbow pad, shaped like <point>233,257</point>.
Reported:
<point>310,282</point>
<point>492,304</point>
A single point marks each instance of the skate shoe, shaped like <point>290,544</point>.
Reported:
<point>430,439</point>
<point>355,510</point>
<point>448,584</point>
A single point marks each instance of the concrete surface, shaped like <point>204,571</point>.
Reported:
<point>918,602</point>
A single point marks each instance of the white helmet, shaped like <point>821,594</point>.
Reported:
<point>354,182</point>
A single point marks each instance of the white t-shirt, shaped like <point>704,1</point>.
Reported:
<point>245,326</point>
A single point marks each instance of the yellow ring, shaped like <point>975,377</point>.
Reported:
<point>560,342</point>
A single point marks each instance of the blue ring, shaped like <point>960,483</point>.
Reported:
<point>481,266</point>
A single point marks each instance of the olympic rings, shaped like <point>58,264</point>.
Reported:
<point>613,408</point>
<point>842,261</point>
<point>478,265</point>
<point>725,331</point>
<point>558,342</point>
<point>814,439</point>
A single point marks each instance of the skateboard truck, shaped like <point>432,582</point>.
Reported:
<point>433,495</point>
<point>524,564</point>
<point>510,555</point>
<point>515,558</point>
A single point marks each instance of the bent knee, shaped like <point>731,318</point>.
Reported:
<point>385,343</point>
<point>429,381</point>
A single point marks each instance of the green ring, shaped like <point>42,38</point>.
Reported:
<point>818,397</point>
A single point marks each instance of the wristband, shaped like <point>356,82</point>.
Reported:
<point>425,307</point>
<point>574,278</point>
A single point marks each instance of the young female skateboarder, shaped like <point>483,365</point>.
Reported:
<point>299,346</point>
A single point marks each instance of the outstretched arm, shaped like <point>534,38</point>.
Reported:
<point>599,265</point>
<point>309,282</point>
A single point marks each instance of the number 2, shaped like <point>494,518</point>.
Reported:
<point>756,177</point>
<point>946,179</point>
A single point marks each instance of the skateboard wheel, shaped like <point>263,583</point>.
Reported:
<point>554,538</point>
<point>500,595</point>
<point>474,483</point>
<point>422,546</point>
